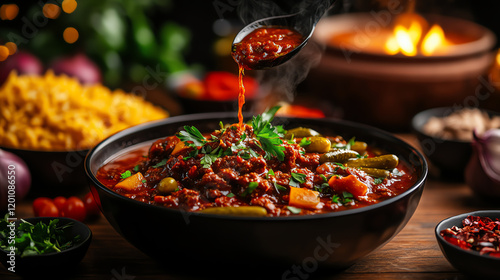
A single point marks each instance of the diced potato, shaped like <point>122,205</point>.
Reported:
<point>131,183</point>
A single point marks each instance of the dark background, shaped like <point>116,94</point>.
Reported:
<point>195,19</point>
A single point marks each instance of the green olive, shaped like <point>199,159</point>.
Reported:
<point>300,132</point>
<point>338,155</point>
<point>167,185</point>
<point>255,211</point>
<point>359,147</point>
<point>318,145</point>
<point>382,162</point>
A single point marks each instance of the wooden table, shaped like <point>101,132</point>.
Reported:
<point>412,254</point>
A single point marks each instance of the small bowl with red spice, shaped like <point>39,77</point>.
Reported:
<point>471,243</point>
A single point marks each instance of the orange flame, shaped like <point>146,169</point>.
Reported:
<point>409,39</point>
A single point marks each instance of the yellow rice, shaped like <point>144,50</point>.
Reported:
<point>52,112</point>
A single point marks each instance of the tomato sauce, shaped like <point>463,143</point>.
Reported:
<point>243,174</point>
<point>241,95</point>
<point>265,44</point>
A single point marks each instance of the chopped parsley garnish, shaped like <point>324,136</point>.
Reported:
<point>126,174</point>
<point>277,186</point>
<point>161,163</point>
<point>207,160</point>
<point>251,187</point>
<point>297,179</point>
<point>270,173</point>
<point>378,181</point>
<point>340,165</point>
<point>323,188</point>
<point>192,137</point>
<point>346,146</point>
<point>268,135</point>
<point>304,142</point>
<point>324,178</point>
<point>344,198</point>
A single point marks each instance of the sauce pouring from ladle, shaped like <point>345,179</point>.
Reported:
<point>271,41</point>
<point>300,25</point>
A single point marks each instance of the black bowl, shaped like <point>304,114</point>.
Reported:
<point>469,262</point>
<point>54,173</point>
<point>54,265</point>
<point>449,156</point>
<point>334,240</point>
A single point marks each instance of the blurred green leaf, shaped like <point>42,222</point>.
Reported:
<point>174,38</point>
<point>143,35</point>
<point>110,26</point>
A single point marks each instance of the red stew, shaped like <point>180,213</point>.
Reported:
<point>480,234</point>
<point>265,44</point>
<point>246,165</point>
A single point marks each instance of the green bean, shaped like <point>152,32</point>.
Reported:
<point>255,211</point>
<point>167,185</point>
<point>318,145</point>
<point>338,155</point>
<point>382,162</point>
<point>300,132</point>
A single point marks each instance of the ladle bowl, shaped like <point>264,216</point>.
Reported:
<point>304,22</point>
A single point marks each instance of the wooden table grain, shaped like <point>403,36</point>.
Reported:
<point>412,254</point>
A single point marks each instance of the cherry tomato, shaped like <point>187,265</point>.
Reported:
<point>74,208</point>
<point>59,202</point>
<point>39,202</point>
<point>90,205</point>
<point>47,209</point>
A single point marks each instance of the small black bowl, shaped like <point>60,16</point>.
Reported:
<point>335,240</point>
<point>58,264</point>
<point>54,173</point>
<point>468,262</point>
<point>449,156</point>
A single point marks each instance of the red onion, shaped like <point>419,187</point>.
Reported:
<point>78,66</point>
<point>482,173</point>
<point>23,63</point>
<point>15,179</point>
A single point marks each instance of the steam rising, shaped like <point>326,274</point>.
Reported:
<point>284,79</point>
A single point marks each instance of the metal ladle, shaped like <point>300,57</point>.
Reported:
<point>303,22</point>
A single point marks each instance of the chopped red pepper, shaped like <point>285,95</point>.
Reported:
<point>481,234</point>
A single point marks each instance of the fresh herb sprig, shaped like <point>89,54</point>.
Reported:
<point>39,238</point>
<point>192,137</point>
<point>269,136</point>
